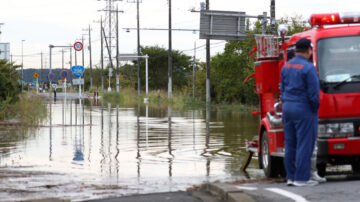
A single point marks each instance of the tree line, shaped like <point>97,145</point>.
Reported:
<point>228,69</point>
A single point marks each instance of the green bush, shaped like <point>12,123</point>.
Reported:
<point>9,82</point>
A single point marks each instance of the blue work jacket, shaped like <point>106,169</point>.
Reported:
<point>300,83</point>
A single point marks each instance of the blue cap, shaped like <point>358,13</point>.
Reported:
<point>303,44</point>
<point>290,54</point>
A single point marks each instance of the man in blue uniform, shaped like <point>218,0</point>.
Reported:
<point>300,97</point>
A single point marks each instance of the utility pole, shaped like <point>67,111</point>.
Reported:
<point>138,43</point>
<point>82,60</point>
<point>111,63</point>
<point>194,66</point>
<point>102,55</point>
<point>62,61</point>
<point>264,21</point>
<point>75,58</point>
<point>22,65</point>
<point>70,61</point>
<point>170,55</point>
<point>50,58</point>
<point>109,50</point>
<point>82,51</point>
<point>208,97</point>
<point>91,73</point>
<point>117,50</point>
<point>272,16</point>
<point>110,3</point>
<point>89,48</point>
<point>41,67</point>
<point>138,40</point>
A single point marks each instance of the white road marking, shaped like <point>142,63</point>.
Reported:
<point>246,188</point>
<point>288,194</point>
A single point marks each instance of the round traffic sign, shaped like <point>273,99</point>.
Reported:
<point>64,74</point>
<point>51,76</point>
<point>78,46</point>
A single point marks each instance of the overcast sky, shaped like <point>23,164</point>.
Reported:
<point>60,22</point>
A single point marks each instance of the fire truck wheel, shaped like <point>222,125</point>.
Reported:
<point>272,165</point>
<point>321,167</point>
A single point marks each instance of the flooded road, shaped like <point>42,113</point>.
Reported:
<point>97,150</point>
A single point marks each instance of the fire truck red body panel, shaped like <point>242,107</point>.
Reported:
<point>352,146</point>
<point>335,107</point>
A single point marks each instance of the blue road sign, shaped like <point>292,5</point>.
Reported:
<point>78,71</point>
<point>51,76</point>
<point>64,74</point>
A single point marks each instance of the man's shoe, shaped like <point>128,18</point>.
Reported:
<point>314,176</point>
<point>290,182</point>
<point>305,183</point>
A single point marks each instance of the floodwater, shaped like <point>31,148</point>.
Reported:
<point>98,150</point>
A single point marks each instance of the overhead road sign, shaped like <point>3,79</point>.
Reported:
<point>64,74</point>
<point>78,71</point>
<point>36,75</point>
<point>222,25</point>
<point>78,46</point>
<point>51,76</point>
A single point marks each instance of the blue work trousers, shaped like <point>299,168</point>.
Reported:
<point>300,128</point>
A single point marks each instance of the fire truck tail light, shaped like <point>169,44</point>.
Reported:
<point>334,18</point>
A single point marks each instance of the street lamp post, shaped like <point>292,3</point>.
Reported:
<point>22,65</point>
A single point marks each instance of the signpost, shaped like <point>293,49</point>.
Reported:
<point>78,46</point>
<point>51,76</point>
<point>78,71</point>
<point>64,74</point>
<point>36,76</point>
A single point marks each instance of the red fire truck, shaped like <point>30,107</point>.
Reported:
<point>336,56</point>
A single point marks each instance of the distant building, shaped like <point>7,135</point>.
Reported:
<point>5,51</point>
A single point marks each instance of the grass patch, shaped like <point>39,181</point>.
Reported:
<point>159,99</point>
<point>29,110</point>
<point>129,97</point>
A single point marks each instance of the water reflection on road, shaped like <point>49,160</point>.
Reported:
<point>137,149</point>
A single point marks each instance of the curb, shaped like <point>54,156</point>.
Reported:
<point>227,192</point>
